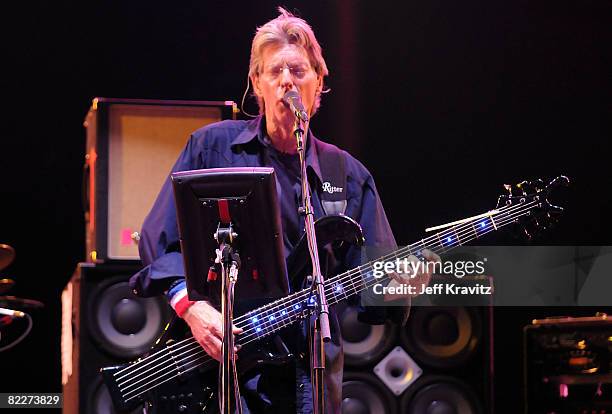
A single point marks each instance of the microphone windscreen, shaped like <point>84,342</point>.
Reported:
<point>289,95</point>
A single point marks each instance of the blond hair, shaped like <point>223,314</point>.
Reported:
<point>287,29</point>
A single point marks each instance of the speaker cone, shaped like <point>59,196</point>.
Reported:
<point>364,394</point>
<point>101,403</point>
<point>123,324</point>
<point>440,395</point>
<point>363,343</point>
<point>442,337</point>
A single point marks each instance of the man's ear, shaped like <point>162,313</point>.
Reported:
<point>320,84</point>
<point>256,87</point>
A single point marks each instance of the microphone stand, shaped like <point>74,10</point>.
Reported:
<point>320,332</point>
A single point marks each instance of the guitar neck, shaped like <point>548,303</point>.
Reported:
<point>274,316</point>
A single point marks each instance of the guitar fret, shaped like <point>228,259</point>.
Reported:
<point>439,240</point>
<point>454,230</point>
<point>474,230</point>
<point>364,278</point>
<point>344,289</point>
<point>352,279</point>
<point>419,252</point>
<point>465,231</point>
<point>339,289</point>
<point>332,294</point>
<point>493,222</point>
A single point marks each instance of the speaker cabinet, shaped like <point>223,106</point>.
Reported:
<point>103,324</point>
<point>131,147</point>
<point>440,361</point>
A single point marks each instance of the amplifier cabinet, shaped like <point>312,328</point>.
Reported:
<point>568,365</point>
<point>104,324</point>
<point>131,147</point>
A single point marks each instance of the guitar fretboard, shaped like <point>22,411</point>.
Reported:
<point>274,316</point>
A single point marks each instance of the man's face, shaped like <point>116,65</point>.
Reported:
<point>286,68</point>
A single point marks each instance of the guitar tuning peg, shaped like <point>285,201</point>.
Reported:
<point>524,186</point>
<point>561,180</point>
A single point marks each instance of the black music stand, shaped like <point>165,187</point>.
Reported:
<point>253,209</point>
<point>230,228</point>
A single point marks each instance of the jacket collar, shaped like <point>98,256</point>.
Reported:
<point>254,131</point>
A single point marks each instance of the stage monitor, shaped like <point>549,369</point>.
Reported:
<point>247,198</point>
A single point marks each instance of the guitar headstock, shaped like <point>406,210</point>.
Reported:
<point>527,203</point>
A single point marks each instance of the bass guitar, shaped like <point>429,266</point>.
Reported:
<point>180,377</point>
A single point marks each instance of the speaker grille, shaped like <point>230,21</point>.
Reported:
<point>440,395</point>
<point>363,343</point>
<point>364,394</point>
<point>131,147</point>
<point>123,324</point>
<point>442,337</point>
<point>101,403</point>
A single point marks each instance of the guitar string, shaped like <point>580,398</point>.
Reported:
<point>172,358</point>
<point>184,365</point>
<point>446,248</point>
<point>200,365</point>
<point>267,328</point>
<point>282,303</point>
<point>340,279</point>
<point>348,276</point>
<point>190,362</point>
<point>501,224</point>
<point>264,314</point>
<point>170,349</point>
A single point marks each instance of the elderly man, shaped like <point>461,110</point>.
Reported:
<point>285,56</point>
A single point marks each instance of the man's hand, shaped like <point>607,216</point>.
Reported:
<point>419,276</point>
<point>206,325</point>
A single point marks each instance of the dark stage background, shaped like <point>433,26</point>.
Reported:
<point>443,101</point>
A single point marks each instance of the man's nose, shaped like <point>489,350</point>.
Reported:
<point>286,78</point>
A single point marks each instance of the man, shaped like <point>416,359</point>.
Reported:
<point>285,56</point>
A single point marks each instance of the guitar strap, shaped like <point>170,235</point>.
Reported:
<point>333,171</point>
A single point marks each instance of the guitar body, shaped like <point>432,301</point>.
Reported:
<point>196,390</point>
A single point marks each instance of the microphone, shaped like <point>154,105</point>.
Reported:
<point>12,313</point>
<point>292,98</point>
